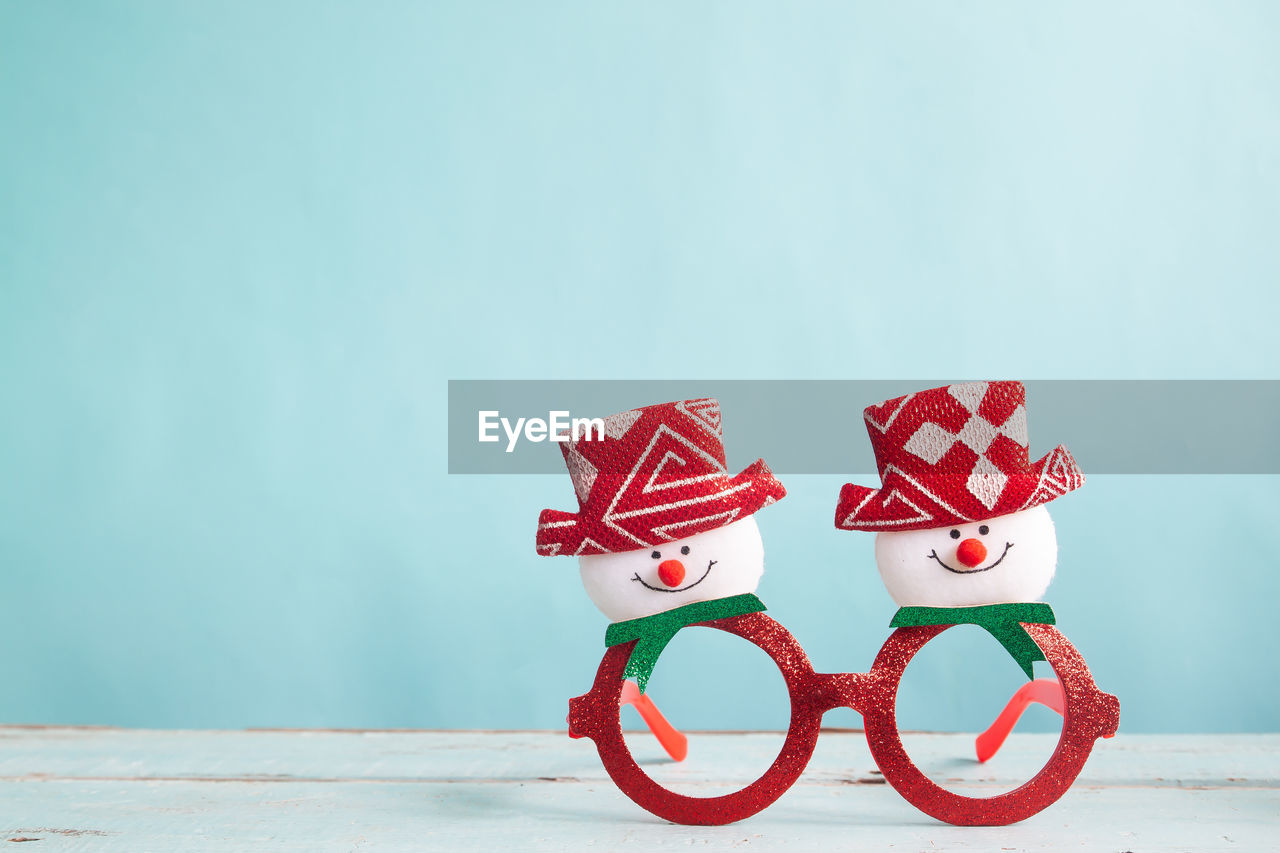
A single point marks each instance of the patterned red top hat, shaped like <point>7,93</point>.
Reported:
<point>951,455</point>
<point>657,475</point>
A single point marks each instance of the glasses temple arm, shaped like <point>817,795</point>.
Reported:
<point>675,743</point>
<point>1045,691</point>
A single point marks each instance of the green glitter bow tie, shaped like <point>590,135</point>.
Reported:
<point>1001,621</point>
<point>654,632</point>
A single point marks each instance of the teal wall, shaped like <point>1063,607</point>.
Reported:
<point>243,246</point>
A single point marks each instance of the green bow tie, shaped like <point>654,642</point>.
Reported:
<point>1000,620</point>
<point>654,632</point>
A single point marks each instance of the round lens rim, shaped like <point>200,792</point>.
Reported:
<point>1090,714</point>
<point>596,715</point>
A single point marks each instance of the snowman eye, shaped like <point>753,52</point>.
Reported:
<point>656,554</point>
<point>955,534</point>
<point>684,550</point>
<point>983,530</point>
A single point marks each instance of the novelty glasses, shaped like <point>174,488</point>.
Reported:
<point>1025,630</point>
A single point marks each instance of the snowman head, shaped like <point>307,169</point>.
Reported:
<point>661,522</point>
<point>1009,558</point>
<point>959,515</point>
<point>719,563</point>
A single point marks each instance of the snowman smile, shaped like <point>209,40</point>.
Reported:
<point>681,589</point>
<point>1007,546</point>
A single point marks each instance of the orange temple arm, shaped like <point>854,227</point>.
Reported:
<point>676,744</point>
<point>1046,691</point>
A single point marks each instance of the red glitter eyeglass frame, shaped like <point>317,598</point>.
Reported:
<point>1088,714</point>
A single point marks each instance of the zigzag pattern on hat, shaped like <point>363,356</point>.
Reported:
<point>657,475</point>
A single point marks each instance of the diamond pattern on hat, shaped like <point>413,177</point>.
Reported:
<point>969,394</point>
<point>953,454</point>
<point>930,442</point>
<point>986,482</point>
<point>1016,425</point>
<point>977,434</point>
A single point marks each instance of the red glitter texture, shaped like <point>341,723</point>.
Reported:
<point>1090,714</point>
<point>595,715</point>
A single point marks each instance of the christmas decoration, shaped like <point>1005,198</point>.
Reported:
<point>960,517</point>
<point>666,540</point>
<point>658,475</point>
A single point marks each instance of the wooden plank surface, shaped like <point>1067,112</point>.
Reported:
<point>135,790</point>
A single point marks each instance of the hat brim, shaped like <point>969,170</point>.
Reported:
<point>571,534</point>
<point>904,503</point>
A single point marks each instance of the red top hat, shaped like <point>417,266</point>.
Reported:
<point>657,475</point>
<point>951,455</point>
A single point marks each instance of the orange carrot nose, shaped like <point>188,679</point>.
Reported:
<point>671,572</point>
<point>971,552</point>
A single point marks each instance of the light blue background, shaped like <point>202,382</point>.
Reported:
<point>243,246</point>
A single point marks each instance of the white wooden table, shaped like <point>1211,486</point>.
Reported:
<point>107,789</point>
